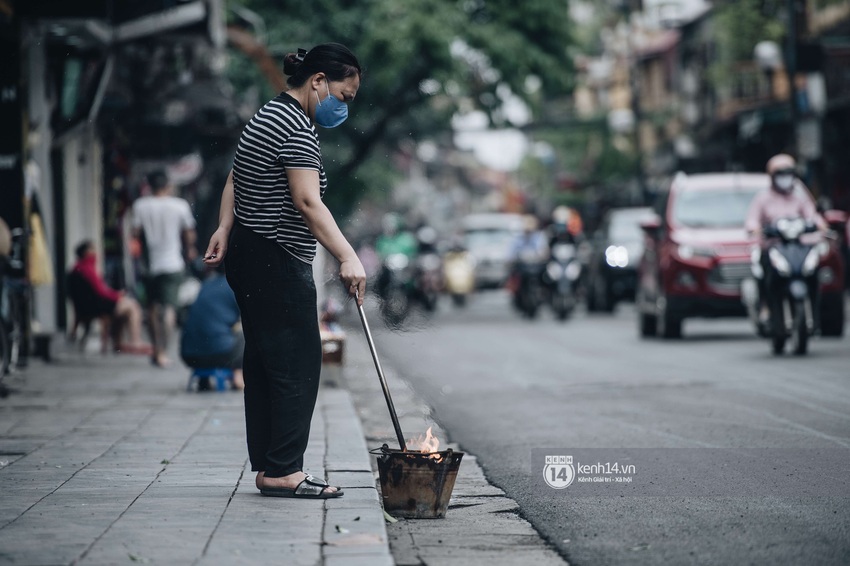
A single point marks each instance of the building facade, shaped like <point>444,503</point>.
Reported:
<point>105,91</point>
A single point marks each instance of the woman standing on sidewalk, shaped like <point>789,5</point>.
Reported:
<point>271,216</point>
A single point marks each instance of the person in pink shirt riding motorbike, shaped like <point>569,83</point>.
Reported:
<point>787,197</point>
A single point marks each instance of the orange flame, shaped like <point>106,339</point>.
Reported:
<point>425,443</point>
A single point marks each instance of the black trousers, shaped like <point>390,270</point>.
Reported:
<point>283,350</point>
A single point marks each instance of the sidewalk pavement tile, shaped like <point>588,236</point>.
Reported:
<point>105,460</point>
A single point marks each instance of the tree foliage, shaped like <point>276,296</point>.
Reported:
<point>740,26</point>
<point>424,61</point>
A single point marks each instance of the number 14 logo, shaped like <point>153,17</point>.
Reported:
<point>558,471</point>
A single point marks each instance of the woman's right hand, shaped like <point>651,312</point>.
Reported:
<point>217,247</point>
<point>353,277</point>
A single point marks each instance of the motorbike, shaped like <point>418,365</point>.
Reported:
<point>528,286</point>
<point>561,279</point>
<point>15,297</point>
<point>458,275</point>
<point>427,269</point>
<point>790,273</point>
<point>405,281</point>
<point>394,288</point>
<point>427,279</point>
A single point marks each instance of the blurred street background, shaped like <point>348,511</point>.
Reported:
<point>511,176</point>
<point>501,387</point>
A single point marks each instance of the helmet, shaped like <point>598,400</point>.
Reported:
<point>561,215</point>
<point>427,235</point>
<point>780,162</point>
<point>781,169</point>
<point>391,223</point>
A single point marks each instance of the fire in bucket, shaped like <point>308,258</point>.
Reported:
<point>414,484</point>
<point>417,483</point>
<point>425,443</point>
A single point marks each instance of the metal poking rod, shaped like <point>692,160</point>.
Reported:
<point>384,386</point>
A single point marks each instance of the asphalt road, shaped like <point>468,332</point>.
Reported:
<point>509,390</point>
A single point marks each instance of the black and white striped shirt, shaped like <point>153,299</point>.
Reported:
<point>279,136</point>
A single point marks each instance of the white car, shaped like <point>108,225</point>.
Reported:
<point>489,238</point>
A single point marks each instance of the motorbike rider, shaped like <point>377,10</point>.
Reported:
<point>394,239</point>
<point>531,239</point>
<point>787,197</point>
<point>427,273</point>
<point>530,245</point>
<point>566,227</point>
<point>563,270</point>
<point>426,240</point>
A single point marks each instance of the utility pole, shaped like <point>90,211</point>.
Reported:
<point>626,9</point>
<point>791,70</point>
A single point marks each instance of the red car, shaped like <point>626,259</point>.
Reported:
<point>697,254</point>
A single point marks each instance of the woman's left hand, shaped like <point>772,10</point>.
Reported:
<point>217,247</point>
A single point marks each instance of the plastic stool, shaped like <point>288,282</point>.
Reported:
<point>222,378</point>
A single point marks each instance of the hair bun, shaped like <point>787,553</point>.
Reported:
<point>292,61</point>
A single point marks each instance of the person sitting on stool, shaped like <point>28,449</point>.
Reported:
<point>210,336</point>
<point>93,298</point>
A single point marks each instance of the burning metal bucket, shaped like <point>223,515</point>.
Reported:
<point>417,485</point>
<point>414,484</point>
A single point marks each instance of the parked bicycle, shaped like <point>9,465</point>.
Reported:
<point>14,309</point>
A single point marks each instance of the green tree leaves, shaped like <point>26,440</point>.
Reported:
<point>424,60</point>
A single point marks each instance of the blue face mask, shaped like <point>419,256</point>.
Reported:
<point>330,112</point>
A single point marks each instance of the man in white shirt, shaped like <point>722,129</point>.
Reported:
<point>167,227</point>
